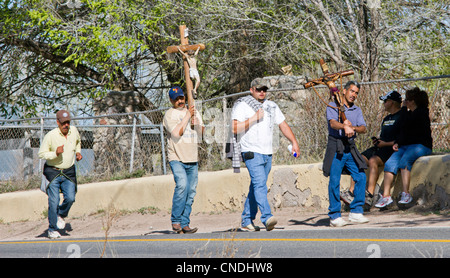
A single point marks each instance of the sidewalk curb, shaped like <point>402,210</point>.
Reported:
<point>221,191</point>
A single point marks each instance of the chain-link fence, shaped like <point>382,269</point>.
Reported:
<point>305,113</point>
<point>134,144</point>
<point>112,146</point>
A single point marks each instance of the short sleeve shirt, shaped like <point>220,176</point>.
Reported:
<point>185,148</point>
<point>389,127</point>
<point>259,137</point>
<point>353,114</point>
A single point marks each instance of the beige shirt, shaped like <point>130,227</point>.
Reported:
<point>185,148</point>
<point>52,140</point>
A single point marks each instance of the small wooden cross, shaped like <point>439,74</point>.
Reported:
<point>184,47</point>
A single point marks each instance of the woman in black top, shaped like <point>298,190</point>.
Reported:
<point>413,141</point>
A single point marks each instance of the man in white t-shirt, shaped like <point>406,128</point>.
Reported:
<point>254,118</point>
<point>182,150</point>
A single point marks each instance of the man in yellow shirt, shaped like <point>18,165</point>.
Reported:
<point>60,147</point>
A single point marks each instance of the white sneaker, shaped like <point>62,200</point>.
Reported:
<point>270,223</point>
<point>53,234</point>
<point>60,224</point>
<point>250,228</point>
<point>357,218</point>
<point>384,201</point>
<point>338,222</point>
<point>406,198</point>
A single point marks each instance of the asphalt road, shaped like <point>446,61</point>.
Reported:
<point>411,242</point>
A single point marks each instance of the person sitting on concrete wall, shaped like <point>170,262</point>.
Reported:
<point>414,140</point>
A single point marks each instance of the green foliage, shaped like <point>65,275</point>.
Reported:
<point>51,53</point>
<point>85,51</point>
<point>104,41</point>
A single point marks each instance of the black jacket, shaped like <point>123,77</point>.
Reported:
<point>415,127</point>
<point>51,173</point>
<point>336,145</point>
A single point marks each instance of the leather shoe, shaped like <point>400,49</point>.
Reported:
<point>188,230</point>
<point>177,228</point>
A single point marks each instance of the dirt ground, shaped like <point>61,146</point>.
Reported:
<point>147,223</point>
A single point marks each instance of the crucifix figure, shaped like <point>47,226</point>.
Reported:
<point>328,79</point>
<point>185,47</point>
<point>193,72</point>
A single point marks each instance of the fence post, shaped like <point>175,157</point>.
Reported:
<point>225,131</point>
<point>41,137</point>
<point>163,148</point>
<point>133,134</point>
<point>41,169</point>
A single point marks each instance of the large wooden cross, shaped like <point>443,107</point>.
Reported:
<point>328,79</point>
<point>185,46</point>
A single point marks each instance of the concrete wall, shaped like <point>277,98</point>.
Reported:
<point>300,185</point>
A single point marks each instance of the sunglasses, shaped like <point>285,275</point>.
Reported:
<point>261,90</point>
<point>65,123</point>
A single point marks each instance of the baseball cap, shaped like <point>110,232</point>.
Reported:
<point>175,92</point>
<point>259,83</point>
<point>394,95</point>
<point>63,116</point>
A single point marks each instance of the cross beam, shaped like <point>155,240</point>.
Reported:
<point>185,48</point>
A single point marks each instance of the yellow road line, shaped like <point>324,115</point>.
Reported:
<point>234,239</point>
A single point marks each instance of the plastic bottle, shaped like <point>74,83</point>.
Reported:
<point>290,150</point>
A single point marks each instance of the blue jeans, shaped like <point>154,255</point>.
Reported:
<point>67,188</point>
<point>405,157</point>
<point>186,178</point>
<point>359,176</point>
<point>258,167</point>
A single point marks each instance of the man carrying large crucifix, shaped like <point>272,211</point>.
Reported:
<point>341,153</point>
<point>182,151</point>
